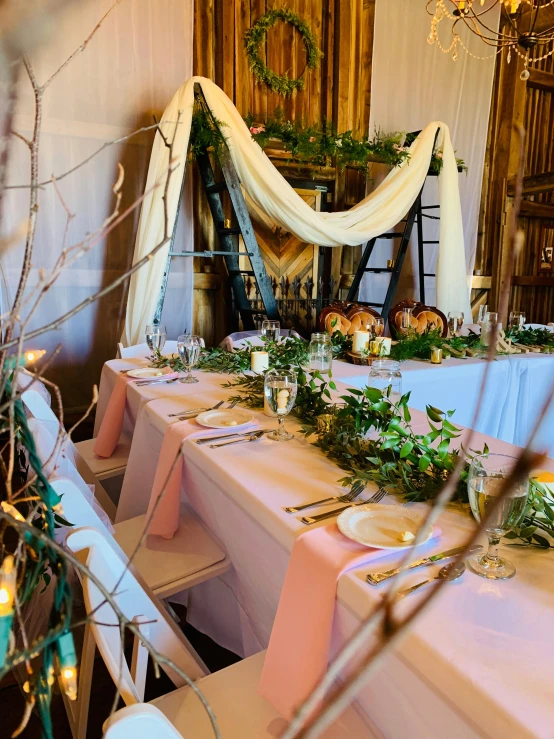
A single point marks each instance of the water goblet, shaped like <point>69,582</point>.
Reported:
<point>280,388</point>
<point>189,348</point>
<point>406,319</point>
<point>271,330</point>
<point>455,322</point>
<point>156,335</point>
<point>377,327</point>
<point>517,319</point>
<point>486,477</point>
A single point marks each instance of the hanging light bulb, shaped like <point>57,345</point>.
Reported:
<point>68,665</point>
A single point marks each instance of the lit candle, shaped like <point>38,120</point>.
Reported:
<point>436,355</point>
<point>259,361</point>
<point>360,341</point>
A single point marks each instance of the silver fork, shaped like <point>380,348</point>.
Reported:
<point>346,498</point>
<point>197,410</point>
<point>376,498</point>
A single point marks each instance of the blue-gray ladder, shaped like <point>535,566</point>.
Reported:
<point>228,239</point>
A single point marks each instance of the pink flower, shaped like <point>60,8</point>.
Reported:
<point>256,129</point>
<point>311,139</point>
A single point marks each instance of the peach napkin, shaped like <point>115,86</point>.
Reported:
<point>166,518</point>
<point>112,423</point>
<point>298,651</point>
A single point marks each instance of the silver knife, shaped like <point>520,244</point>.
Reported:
<point>140,383</point>
<point>208,439</point>
<point>375,578</point>
<point>321,516</point>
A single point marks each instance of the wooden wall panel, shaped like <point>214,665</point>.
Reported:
<point>338,90</point>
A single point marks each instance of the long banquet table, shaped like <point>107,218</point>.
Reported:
<point>477,664</point>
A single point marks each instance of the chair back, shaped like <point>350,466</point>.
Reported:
<point>143,350</point>
<point>141,721</point>
<point>137,604</point>
<point>240,339</point>
<point>80,509</point>
<point>38,408</point>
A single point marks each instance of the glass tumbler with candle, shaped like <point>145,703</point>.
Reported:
<point>385,375</point>
<point>455,322</point>
<point>486,479</point>
<point>321,352</point>
<point>280,388</point>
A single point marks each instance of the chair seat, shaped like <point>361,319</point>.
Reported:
<point>194,555</point>
<point>104,468</point>
<point>241,713</point>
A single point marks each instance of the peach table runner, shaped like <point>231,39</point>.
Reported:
<point>169,474</point>
<point>298,651</point>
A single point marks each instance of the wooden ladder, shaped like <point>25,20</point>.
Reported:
<point>228,239</point>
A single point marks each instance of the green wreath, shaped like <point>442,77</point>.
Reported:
<point>256,35</point>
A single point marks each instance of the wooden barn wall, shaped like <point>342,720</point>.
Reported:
<point>532,106</point>
<point>338,90</point>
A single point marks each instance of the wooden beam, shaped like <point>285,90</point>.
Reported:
<point>207,281</point>
<point>533,281</point>
<point>535,183</point>
<point>530,209</point>
<point>480,282</point>
<point>540,80</point>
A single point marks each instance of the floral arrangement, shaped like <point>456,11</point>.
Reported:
<point>257,34</point>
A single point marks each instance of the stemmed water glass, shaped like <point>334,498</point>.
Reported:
<point>486,477</point>
<point>483,310</point>
<point>189,347</point>
<point>377,328</point>
<point>406,319</point>
<point>517,319</point>
<point>280,388</point>
<point>271,329</point>
<point>455,322</point>
<point>156,335</point>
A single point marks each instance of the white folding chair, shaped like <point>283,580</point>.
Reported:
<point>232,693</point>
<point>240,339</point>
<point>549,326</point>
<point>85,459</point>
<point>140,721</point>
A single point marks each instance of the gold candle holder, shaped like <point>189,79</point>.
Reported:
<point>390,263</point>
<point>375,348</point>
<point>436,355</point>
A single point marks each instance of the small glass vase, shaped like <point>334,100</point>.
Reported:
<point>320,353</point>
<point>385,374</point>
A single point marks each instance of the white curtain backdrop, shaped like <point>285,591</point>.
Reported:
<point>128,72</point>
<point>411,84</point>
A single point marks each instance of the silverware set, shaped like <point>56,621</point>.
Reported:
<point>193,412</point>
<point>156,381</point>
<point>208,439</point>
<point>374,578</point>
<point>376,498</point>
<point>252,436</point>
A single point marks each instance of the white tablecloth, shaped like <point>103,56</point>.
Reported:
<point>517,387</point>
<point>477,664</point>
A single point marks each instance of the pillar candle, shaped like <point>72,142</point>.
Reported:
<point>360,341</point>
<point>259,361</point>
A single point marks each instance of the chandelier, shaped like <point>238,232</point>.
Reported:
<point>520,32</point>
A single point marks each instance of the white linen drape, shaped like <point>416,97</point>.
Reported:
<point>411,83</point>
<point>129,71</point>
<point>270,193</point>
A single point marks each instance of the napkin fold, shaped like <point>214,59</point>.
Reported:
<point>112,423</point>
<point>165,521</point>
<point>298,651</point>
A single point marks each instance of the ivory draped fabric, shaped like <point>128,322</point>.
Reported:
<point>268,192</point>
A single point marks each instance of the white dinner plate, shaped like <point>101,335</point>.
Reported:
<point>235,419</point>
<point>147,373</point>
<point>381,526</point>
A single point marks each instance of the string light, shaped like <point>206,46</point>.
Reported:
<point>33,354</point>
<point>67,659</point>
<point>8,582</point>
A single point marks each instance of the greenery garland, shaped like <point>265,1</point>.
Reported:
<point>257,34</point>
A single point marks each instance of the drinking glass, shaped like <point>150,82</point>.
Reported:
<point>271,329</point>
<point>486,477</point>
<point>490,317</point>
<point>517,319</point>
<point>483,310</point>
<point>189,347</point>
<point>155,337</point>
<point>455,322</point>
<point>385,375</point>
<point>280,392</point>
<point>377,328</point>
<point>406,319</point>
<point>321,352</point>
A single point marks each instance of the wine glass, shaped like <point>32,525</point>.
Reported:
<point>156,335</point>
<point>487,474</point>
<point>280,392</point>
<point>455,322</point>
<point>483,310</point>
<point>189,347</point>
<point>517,319</point>
<point>271,329</point>
<point>406,319</point>
<point>377,328</point>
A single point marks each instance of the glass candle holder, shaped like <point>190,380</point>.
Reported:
<point>385,375</point>
<point>321,353</point>
<point>436,355</point>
